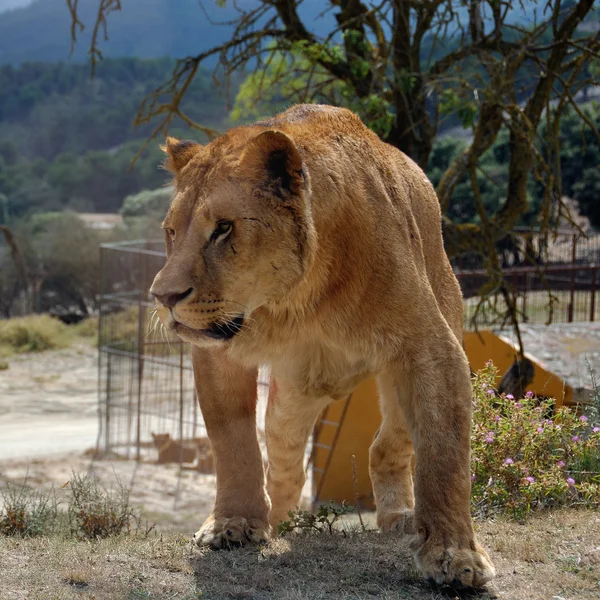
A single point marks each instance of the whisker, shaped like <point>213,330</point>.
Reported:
<point>230,316</point>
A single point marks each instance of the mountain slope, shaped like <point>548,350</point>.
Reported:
<point>143,29</point>
<point>40,31</point>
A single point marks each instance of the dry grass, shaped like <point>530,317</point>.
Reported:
<point>553,555</point>
<point>36,333</point>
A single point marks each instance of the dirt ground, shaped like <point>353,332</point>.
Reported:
<point>48,420</point>
<point>552,557</point>
<point>49,402</point>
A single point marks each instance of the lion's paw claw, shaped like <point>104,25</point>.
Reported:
<point>231,532</point>
<point>457,567</point>
<point>401,521</point>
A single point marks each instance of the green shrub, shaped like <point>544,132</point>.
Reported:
<point>96,511</point>
<point>593,409</point>
<point>27,513</point>
<point>526,457</point>
<point>323,521</point>
<point>92,511</point>
<point>87,329</point>
<point>34,333</point>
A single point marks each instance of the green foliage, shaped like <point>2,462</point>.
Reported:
<point>526,457</point>
<point>263,94</point>
<point>34,333</point>
<point>27,513</point>
<point>96,511</point>
<point>580,159</point>
<point>81,152</point>
<point>452,104</point>
<point>62,258</point>
<point>93,510</point>
<point>147,203</point>
<point>322,522</point>
<point>593,410</point>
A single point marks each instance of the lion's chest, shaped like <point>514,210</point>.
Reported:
<point>313,361</point>
<point>317,371</point>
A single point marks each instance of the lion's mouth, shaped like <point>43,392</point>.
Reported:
<point>223,330</point>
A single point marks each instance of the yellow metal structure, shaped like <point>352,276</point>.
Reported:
<point>349,426</point>
<point>486,345</point>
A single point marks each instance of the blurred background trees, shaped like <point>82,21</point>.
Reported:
<point>495,99</point>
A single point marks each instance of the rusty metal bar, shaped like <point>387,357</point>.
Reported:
<point>593,298</point>
<point>180,404</point>
<point>572,294</point>
<point>140,365</point>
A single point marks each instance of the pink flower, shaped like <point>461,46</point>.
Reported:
<point>540,430</point>
<point>473,477</point>
<point>571,481</point>
<point>575,438</point>
<point>484,385</point>
<point>583,418</point>
<point>489,439</point>
<point>508,461</point>
<point>491,392</point>
<point>499,418</point>
<point>510,397</point>
<point>530,479</point>
<point>529,394</point>
<point>519,405</point>
<point>596,429</point>
<point>561,463</point>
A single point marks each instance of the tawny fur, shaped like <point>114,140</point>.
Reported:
<point>336,261</point>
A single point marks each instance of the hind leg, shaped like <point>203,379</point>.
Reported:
<point>390,465</point>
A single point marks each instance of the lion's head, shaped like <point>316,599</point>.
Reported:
<point>238,233</point>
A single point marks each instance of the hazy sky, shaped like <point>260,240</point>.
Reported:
<point>6,4</point>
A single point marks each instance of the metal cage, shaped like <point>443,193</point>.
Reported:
<point>146,384</point>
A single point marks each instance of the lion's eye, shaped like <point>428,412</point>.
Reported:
<point>222,229</point>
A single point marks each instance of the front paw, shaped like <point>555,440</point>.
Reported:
<point>229,532</point>
<point>400,520</point>
<point>457,566</point>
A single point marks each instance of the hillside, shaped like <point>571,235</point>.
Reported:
<point>151,28</point>
<point>68,141</point>
<point>144,29</point>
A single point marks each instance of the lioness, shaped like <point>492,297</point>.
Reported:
<point>305,243</point>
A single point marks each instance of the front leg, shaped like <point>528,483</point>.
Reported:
<point>290,419</point>
<point>227,394</point>
<point>433,388</point>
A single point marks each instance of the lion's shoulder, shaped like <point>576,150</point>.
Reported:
<point>314,121</point>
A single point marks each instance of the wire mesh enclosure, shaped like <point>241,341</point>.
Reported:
<point>148,405</point>
<point>550,278</point>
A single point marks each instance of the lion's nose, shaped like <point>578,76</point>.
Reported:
<point>170,300</point>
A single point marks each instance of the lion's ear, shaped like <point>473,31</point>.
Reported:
<point>179,153</point>
<point>273,157</point>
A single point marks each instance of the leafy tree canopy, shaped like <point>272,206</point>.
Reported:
<point>406,67</point>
